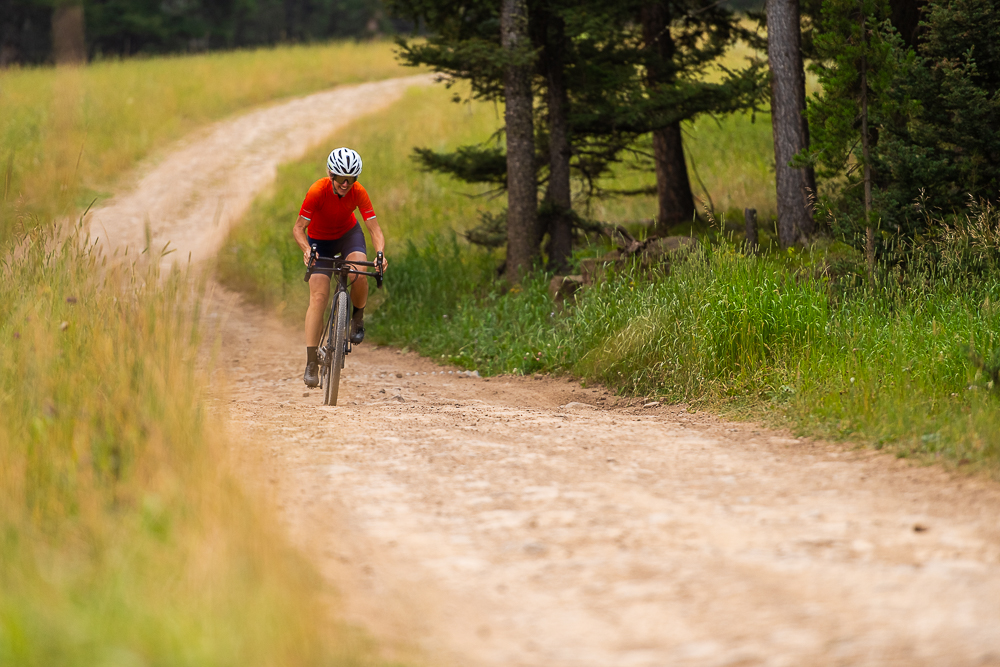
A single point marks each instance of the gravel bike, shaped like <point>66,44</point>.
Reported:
<point>335,342</point>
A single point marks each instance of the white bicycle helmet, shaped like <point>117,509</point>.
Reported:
<point>344,162</point>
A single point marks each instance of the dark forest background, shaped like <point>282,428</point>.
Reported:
<point>115,28</point>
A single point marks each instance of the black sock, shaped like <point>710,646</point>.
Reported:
<point>311,355</point>
<point>354,315</point>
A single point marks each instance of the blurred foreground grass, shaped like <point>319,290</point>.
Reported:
<point>68,134</point>
<point>125,536</point>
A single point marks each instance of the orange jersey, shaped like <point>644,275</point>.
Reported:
<point>331,216</point>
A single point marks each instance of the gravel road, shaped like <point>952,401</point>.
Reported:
<point>529,522</point>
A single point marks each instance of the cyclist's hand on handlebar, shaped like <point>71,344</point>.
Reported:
<point>385,262</point>
<point>307,258</point>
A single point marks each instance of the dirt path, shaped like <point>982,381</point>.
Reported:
<point>514,521</point>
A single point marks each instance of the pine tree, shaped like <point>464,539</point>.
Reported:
<point>859,52</point>
<point>943,144</point>
<point>933,114</point>
<point>603,79</point>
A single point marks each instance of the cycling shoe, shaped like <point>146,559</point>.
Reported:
<point>357,333</point>
<point>311,376</point>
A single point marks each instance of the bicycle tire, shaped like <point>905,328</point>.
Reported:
<point>338,338</point>
<point>324,364</point>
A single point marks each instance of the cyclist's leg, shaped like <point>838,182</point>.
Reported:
<point>319,293</point>
<point>359,298</point>
<point>359,286</point>
<point>319,296</point>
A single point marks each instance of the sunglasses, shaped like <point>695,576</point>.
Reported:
<point>340,180</point>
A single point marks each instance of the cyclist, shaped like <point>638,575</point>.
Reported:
<point>327,221</point>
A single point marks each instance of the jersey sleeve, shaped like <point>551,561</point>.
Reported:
<point>365,204</point>
<point>312,201</point>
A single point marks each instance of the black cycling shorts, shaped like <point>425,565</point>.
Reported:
<point>352,241</point>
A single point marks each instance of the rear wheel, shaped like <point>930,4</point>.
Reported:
<point>337,337</point>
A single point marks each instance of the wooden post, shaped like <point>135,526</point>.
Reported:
<point>68,45</point>
<point>750,216</point>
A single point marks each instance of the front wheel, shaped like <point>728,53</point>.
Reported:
<point>337,338</point>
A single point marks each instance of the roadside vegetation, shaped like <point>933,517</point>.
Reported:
<point>126,536</point>
<point>797,338</point>
<point>68,134</point>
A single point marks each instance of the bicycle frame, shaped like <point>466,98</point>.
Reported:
<point>335,343</point>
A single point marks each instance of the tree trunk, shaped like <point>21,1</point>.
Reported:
<point>68,45</point>
<point>791,132</point>
<point>558,194</point>
<point>522,188</point>
<point>905,16</point>
<point>673,188</point>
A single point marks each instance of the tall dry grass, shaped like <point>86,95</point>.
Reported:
<point>125,536</point>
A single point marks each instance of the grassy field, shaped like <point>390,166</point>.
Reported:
<point>793,339</point>
<point>68,134</point>
<point>126,536</point>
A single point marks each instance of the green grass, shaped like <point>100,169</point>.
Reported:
<point>69,134</point>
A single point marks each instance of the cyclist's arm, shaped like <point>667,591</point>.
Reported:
<point>299,232</point>
<point>378,239</point>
